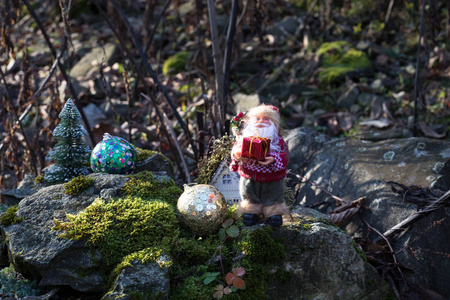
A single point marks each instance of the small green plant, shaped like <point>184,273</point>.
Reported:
<point>9,217</point>
<point>176,63</point>
<point>233,278</point>
<point>39,179</point>
<point>14,285</point>
<point>77,185</point>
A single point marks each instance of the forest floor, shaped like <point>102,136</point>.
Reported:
<point>346,69</point>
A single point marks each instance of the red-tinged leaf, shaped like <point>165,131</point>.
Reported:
<point>240,271</point>
<point>229,278</point>
<point>238,283</point>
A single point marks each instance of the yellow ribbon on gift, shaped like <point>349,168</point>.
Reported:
<point>251,143</point>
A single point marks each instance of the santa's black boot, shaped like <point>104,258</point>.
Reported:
<point>250,219</point>
<point>275,221</point>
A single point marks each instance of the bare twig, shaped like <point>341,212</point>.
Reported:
<point>16,114</point>
<point>153,74</point>
<point>126,52</point>
<point>227,58</point>
<point>147,45</point>
<point>62,69</point>
<point>175,140</point>
<point>416,79</point>
<point>391,282</point>
<point>43,297</point>
<point>217,58</point>
<point>436,204</point>
<point>389,10</point>
<point>336,198</point>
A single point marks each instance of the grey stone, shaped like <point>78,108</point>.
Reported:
<point>322,261</point>
<point>114,107</point>
<point>91,61</point>
<point>376,84</point>
<point>348,98</point>
<point>365,99</point>
<point>155,163</point>
<point>93,114</point>
<point>351,169</point>
<point>35,250</point>
<point>245,102</point>
<point>289,26</point>
<point>148,280</point>
<point>13,196</point>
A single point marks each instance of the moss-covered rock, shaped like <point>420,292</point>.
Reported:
<point>144,185</point>
<point>122,226</point>
<point>9,217</point>
<point>176,63</point>
<point>339,58</point>
<point>141,275</point>
<point>77,185</point>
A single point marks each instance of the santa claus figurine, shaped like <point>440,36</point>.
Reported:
<point>261,156</point>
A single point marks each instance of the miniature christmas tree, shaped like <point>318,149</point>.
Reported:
<point>70,153</point>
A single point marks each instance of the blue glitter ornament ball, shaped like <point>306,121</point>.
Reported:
<point>113,155</point>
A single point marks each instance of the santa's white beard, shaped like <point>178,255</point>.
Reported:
<point>268,131</point>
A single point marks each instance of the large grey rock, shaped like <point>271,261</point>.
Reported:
<point>148,280</point>
<point>35,250</point>
<point>351,169</point>
<point>92,60</point>
<point>26,187</point>
<point>323,262</point>
<point>348,98</point>
<point>155,163</point>
<point>245,102</point>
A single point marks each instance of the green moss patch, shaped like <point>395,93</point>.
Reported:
<point>339,58</point>
<point>145,186</point>
<point>260,248</point>
<point>77,185</point>
<point>143,154</point>
<point>122,227</point>
<point>9,217</point>
<point>176,63</point>
<point>221,151</point>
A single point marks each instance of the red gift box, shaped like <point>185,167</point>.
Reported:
<point>255,147</point>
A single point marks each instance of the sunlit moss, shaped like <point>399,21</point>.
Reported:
<point>339,58</point>
<point>77,185</point>
<point>9,217</point>
<point>176,63</point>
<point>39,179</point>
<point>123,226</point>
<point>143,154</point>
<point>145,186</point>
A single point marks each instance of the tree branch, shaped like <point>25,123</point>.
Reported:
<point>436,204</point>
<point>62,69</point>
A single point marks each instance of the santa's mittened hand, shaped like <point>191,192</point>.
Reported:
<point>237,155</point>
<point>267,161</point>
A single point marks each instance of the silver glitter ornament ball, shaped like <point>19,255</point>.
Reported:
<point>202,208</point>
